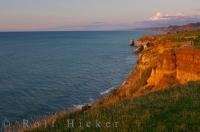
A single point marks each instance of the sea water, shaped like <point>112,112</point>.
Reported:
<point>42,72</point>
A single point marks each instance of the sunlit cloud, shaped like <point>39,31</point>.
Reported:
<point>159,16</point>
<point>167,19</point>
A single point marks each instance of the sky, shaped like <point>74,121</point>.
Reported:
<point>64,15</point>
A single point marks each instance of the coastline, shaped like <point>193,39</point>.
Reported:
<point>69,76</point>
<point>142,79</point>
<point>48,119</point>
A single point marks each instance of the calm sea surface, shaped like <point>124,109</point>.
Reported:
<point>42,72</point>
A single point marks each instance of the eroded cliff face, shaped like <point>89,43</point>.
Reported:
<point>188,65</point>
<point>176,66</point>
<point>160,65</point>
<point>176,63</point>
<point>164,72</point>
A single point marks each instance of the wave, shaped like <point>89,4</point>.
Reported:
<point>107,91</point>
<point>124,82</point>
<point>78,106</point>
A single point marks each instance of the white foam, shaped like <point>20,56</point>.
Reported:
<point>78,106</point>
<point>107,91</point>
<point>123,83</point>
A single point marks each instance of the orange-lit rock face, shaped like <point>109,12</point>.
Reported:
<point>188,65</point>
<point>176,66</point>
<point>165,71</point>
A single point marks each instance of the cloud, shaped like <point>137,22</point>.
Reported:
<point>163,20</point>
<point>159,16</point>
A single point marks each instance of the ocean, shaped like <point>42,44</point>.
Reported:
<point>45,72</point>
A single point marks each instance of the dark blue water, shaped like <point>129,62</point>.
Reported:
<point>42,72</point>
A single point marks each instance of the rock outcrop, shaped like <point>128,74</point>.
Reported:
<point>176,66</point>
<point>188,65</point>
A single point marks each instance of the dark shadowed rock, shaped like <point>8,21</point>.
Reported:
<point>131,42</point>
<point>86,107</point>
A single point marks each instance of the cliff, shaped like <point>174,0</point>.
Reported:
<point>176,66</point>
<point>166,60</point>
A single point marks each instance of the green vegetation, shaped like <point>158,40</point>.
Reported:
<point>173,109</point>
<point>185,36</point>
<point>196,42</point>
<point>180,36</point>
<point>142,80</point>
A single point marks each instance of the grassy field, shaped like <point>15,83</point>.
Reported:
<point>173,109</point>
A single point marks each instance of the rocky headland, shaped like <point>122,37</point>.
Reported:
<point>164,60</point>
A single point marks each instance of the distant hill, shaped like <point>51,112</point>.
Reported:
<point>175,28</point>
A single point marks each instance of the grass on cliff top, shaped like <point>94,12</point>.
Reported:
<point>173,109</point>
<point>196,42</point>
<point>179,36</point>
